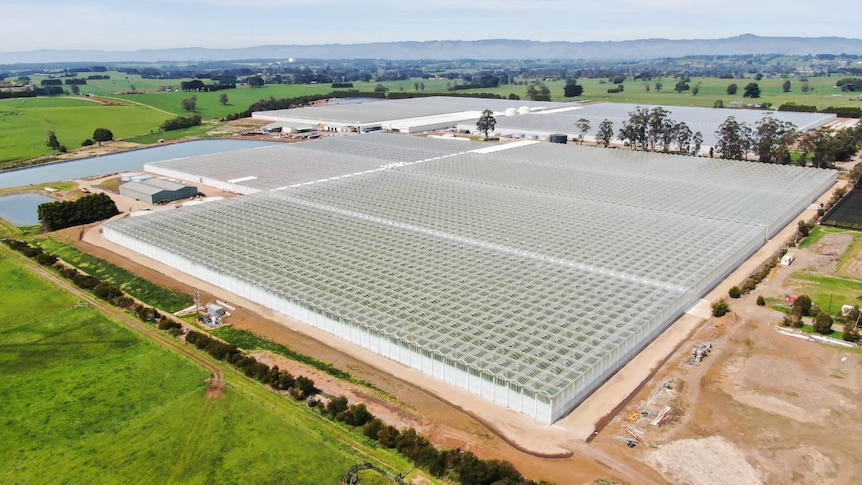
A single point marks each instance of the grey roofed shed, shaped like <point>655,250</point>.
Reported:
<point>157,190</point>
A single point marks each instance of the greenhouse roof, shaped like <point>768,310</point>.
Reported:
<point>704,120</point>
<point>285,165</point>
<point>532,264</point>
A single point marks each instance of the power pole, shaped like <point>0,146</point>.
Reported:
<point>197,296</point>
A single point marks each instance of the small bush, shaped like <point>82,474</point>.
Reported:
<point>761,301</point>
<point>734,292</point>
<point>720,308</point>
<point>823,323</point>
<point>124,302</point>
<point>46,259</point>
<point>802,305</point>
<point>86,142</point>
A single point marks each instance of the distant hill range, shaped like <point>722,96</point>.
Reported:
<point>452,49</point>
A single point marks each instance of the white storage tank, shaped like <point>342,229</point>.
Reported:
<point>127,177</point>
<point>524,110</point>
<point>511,111</point>
<point>140,177</point>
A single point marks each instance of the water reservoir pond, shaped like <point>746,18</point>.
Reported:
<point>21,209</point>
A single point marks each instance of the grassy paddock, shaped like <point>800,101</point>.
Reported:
<point>822,289</point>
<point>26,122</point>
<point>817,234</point>
<point>853,253</point>
<point>132,284</point>
<point>87,401</point>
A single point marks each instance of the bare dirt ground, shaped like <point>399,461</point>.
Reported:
<point>215,390</point>
<point>99,150</point>
<point>762,407</point>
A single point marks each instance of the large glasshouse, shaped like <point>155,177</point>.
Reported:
<point>525,275</point>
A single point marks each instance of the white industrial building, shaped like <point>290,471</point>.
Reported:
<point>526,274</point>
<point>413,115</point>
<point>542,124</point>
<point>515,118</point>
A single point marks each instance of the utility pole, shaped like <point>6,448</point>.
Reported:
<point>197,296</point>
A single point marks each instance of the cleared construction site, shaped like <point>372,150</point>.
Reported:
<point>526,273</point>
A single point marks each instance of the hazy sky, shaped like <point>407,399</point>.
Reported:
<point>155,24</point>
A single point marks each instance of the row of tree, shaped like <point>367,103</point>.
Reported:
<point>180,123</point>
<point>198,86</point>
<point>772,141</point>
<point>462,466</point>
<point>87,209</point>
<point>653,130</point>
<point>821,320</point>
<point>456,464</point>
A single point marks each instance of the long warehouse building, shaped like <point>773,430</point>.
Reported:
<point>524,273</point>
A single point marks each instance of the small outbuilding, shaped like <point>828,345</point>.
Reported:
<point>156,191</point>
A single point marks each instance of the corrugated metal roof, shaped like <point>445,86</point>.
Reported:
<point>141,188</point>
<point>163,184</point>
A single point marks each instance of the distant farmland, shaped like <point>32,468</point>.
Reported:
<point>136,117</point>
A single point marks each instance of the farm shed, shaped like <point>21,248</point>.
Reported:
<point>156,191</point>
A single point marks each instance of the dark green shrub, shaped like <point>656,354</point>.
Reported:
<point>720,308</point>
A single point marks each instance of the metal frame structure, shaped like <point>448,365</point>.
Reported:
<point>527,276</point>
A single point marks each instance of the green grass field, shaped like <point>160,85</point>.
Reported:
<point>816,235</point>
<point>24,124</point>
<point>826,289</point>
<point>132,284</point>
<point>86,401</point>
<point>822,94</point>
